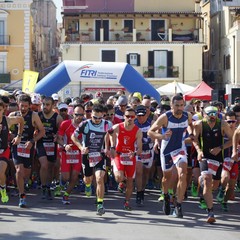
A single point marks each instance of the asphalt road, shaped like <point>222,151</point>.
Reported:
<point>50,219</point>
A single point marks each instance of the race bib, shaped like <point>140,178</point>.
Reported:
<point>228,163</point>
<point>212,166</point>
<point>94,158</point>
<point>22,151</point>
<point>125,159</point>
<point>145,156</point>
<point>49,148</point>
<point>178,155</point>
<point>72,156</point>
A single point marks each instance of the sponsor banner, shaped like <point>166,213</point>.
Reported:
<point>29,81</point>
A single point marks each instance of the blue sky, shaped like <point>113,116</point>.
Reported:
<point>58,4</point>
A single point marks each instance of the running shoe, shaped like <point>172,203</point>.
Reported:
<point>65,199</point>
<point>161,198</point>
<point>237,187</point>
<point>166,205</point>
<point>121,187</point>
<point>49,194</point>
<point>4,195</point>
<point>44,193</point>
<point>100,209</point>
<point>138,198</point>
<point>194,190</point>
<point>88,191</point>
<point>22,202</point>
<point>126,206</point>
<point>58,190</point>
<point>177,213</point>
<point>220,195</point>
<point>202,204</point>
<point>224,206</point>
<point>211,219</point>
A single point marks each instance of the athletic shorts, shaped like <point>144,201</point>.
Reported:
<point>167,160</point>
<point>5,155</point>
<point>49,151</point>
<point>22,156</point>
<point>128,166</point>
<point>87,170</point>
<point>71,162</point>
<point>204,168</point>
<point>146,158</point>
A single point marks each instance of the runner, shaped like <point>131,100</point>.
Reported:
<point>123,151</point>
<point>5,124</point>
<point>174,124</point>
<point>211,130</point>
<point>145,159</point>
<point>93,155</point>
<point>71,163</point>
<point>23,153</point>
<point>47,146</point>
<point>230,168</point>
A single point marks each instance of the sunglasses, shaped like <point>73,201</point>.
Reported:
<point>63,110</point>
<point>111,114</point>
<point>78,114</point>
<point>123,105</point>
<point>88,111</point>
<point>212,114</point>
<point>97,118</point>
<point>231,121</point>
<point>130,116</point>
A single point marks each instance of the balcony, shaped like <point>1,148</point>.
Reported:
<point>112,35</point>
<point>5,78</point>
<point>161,72</point>
<point>4,40</point>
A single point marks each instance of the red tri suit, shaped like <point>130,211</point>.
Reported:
<point>125,142</point>
<point>71,160</point>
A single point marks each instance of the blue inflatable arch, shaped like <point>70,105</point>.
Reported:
<point>95,72</point>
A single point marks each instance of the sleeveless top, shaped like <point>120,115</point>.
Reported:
<point>178,126</point>
<point>92,134</point>
<point>147,143</point>
<point>4,135</point>
<point>50,125</point>
<point>211,138</point>
<point>28,129</point>
<point>126,139</point>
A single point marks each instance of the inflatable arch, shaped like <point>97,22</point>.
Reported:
<point>95,72</point>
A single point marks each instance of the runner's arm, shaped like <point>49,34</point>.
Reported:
<point>153,131</point>
<point>235,143</point>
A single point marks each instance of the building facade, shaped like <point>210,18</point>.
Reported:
<point>45,38</point>
<point>161,43</point>
<point>15,40</point>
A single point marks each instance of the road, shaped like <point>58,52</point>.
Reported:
<point>45,219</point>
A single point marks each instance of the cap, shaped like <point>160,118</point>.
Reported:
<point>98,95</point>
<point>36,98</point>
<point>141,110</point>
<point>138,95</point>
<point>62,106</point>
<point>122,100</point>
<point>55,96</point>
<point>210,109</point>
<point>19,92</point>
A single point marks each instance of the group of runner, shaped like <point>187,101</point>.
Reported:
<point>133,137</point>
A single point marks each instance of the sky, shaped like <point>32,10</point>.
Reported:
<point>58,4</point>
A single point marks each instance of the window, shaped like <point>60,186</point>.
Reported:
<point>133,59</point>
<point>3,62</point>
<point>160,63</point>
<point>128,26</point>
<point>108,56</point>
